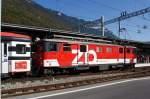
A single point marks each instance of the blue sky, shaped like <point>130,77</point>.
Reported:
<point>94,9</point>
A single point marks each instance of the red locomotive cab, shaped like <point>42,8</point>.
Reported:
<point>46,54</point>
<point>50,54</point>
<point>130,55</point>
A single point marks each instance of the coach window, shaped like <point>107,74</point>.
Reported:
<point>20,49</point>
<point>82,48</point>
<point>109,50</point>
<point>120,50</point>
<point>67,47</point>
<point>128,50</point>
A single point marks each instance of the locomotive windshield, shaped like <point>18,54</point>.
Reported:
<point>50,46</point>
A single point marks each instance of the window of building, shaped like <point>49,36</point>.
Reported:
<point>109,50</point>
<point>82,48</point>
<point>67,47</point>
<point>20,49</point>
<point>120,50</point>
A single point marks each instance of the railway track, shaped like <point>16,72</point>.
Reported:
<point>56,77</point>
<point>32,78</point>
<point>97,78</point>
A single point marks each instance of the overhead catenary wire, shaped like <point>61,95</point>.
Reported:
<point>144,18</point>
<point>82,9</point>
<point>108,7</point>
<point>105,5</point>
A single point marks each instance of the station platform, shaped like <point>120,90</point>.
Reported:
<point>142,64</point>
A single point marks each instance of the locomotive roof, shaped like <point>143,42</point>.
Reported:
<point>10,34</point>
<point>84,42</point>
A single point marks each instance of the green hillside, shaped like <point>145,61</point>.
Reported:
<point>27,12</point>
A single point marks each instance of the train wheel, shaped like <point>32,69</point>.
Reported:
<point>49,72</point>
<point>133,66</point>
<point>37,71</point>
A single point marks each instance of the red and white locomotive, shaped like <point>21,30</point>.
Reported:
<point>53,55</point>
<point>15,53</point>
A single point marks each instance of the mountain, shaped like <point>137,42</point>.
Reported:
<point>148,42</point>
<point>28,12</point>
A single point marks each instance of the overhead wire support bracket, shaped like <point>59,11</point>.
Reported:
<point>128,15</point>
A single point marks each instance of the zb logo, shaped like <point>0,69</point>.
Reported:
<point>76,60</point>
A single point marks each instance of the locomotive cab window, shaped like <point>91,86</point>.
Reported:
<point>128,50</point>
<point>120,50</point>
<point>67,47</point>
<point>82,48</point>
<point>51,46</point>
<point>20,49</point>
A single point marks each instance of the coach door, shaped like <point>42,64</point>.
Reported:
<point>4,57</point>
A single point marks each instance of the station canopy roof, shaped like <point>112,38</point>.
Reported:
<point>51,33</point>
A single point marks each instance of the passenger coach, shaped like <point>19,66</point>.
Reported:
<point>15,53</point>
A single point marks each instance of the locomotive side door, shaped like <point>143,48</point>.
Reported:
<point>83,56</point>
<point>4,58</point>
<point>121,55</point>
